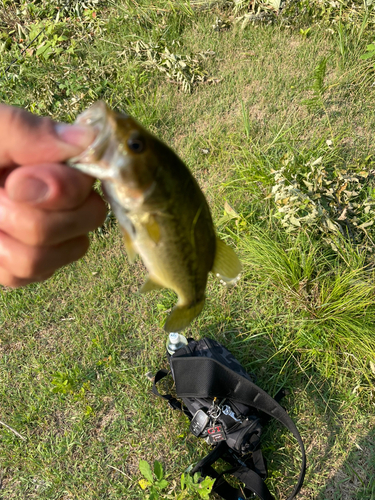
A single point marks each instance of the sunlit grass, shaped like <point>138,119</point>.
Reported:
<point>74,351</point>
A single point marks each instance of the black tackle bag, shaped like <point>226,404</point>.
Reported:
<point>226,408</point>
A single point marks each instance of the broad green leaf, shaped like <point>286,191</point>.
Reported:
<point>206,487</point>
<point>161,484</point>
<point>158,470</point>
<point>41,49</point>
<point>145,470</point>
<point>47,53</point>
<point>367,55</point>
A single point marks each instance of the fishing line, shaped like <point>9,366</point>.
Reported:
<point>24,50</point>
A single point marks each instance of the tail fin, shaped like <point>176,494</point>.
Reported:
<point>182,316</point>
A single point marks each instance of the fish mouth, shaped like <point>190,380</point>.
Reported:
<point>98,117</point>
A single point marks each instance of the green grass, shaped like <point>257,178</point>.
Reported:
<point>74,351</point>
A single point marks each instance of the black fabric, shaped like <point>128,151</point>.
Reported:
<point>173,402</point>
<point>254,483</point>
<point>209,348</point>
<point>206,372</point>
<point>210,378</point>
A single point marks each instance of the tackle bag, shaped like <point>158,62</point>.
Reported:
<point>226,408</point>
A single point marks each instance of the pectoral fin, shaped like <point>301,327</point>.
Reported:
<point>131,253</point>
<point>182,316</point>
<point>153,229</point>
<point>227,266</point>
<point>149,285</point>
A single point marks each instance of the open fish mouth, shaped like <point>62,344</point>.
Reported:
<point>96,116</point>
<point>97,157</point>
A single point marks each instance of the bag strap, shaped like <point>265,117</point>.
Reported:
<point>252,481</point>
<point>253,485</point>
<point>206,377</point>
<point>173,402</point>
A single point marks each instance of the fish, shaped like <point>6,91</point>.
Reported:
<point>162,212</point>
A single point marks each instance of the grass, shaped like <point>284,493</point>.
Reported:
<point>74,351</point>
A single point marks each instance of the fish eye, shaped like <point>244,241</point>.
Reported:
<point>136,144</point>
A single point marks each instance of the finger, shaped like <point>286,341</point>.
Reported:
<point>36,227</point>
<point>31,139</point>
<point>29,262</point>
<point>4,173</point>
<point>51,186</point>
<point>9,280</point>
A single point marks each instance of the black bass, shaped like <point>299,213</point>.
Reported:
<point>162,212</point>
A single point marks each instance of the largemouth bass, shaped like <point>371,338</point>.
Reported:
<point>162,212</point>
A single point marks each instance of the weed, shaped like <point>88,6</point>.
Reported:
<point>332,305</point>
<point>319,89</point>
<point>334,201</point>
<point>183,70</point>
<point>157,485</point>
<point>370,52</point>
<point>195,486</point>
<point>192,487</point>
<point>350,39</point>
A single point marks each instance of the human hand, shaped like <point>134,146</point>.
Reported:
<point>46,208</point>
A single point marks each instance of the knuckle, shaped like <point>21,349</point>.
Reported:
<point>15,117</point>
<point>38,231</point>
<point>31,266</point>
<point>98,211</point>
<point>42,277</point>
<point>78,248</point>
<point>12,282</point>
<point>20,260</point>
<point>9,280</point>
<point>27,127</point>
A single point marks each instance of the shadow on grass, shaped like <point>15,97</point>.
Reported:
<point>355,480</point>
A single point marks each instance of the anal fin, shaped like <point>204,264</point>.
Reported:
<point>227,266</point>
<point>182,316</point>
<point>149,285</point>
<point>130,250</point>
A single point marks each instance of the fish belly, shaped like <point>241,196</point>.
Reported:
<point>166,266</point>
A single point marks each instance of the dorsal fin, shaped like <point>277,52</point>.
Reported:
<point>227,266</point>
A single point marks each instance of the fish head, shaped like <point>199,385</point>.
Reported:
<point>125,156</point>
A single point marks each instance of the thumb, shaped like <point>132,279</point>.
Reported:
<point>30,139</point>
